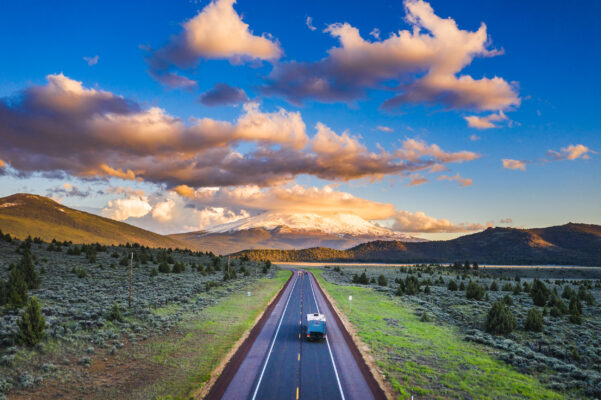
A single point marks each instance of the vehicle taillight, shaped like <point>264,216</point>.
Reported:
<point>308,335</point>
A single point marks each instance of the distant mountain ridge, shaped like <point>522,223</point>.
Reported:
<point>23,215</point>
<point>569,244</point>
<point>286,231</point>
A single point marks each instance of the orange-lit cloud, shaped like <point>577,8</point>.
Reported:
<point>216,32</point>
<point>417,180</point>
<point>419,222</point>
<point>457,178</point>
<point>64,127</point>
<point>514,164</point>
<point>323,201</point>
<point>486,122</point>
<point>288,198</point>
<point>434,46</point>
<point>571,152</point>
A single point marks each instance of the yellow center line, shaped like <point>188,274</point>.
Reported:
<point>297,393</point>
<point>298,356</point>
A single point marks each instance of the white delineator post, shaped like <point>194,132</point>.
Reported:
<point>248,299</point>
<point>131,275</point>
<point>350,298</point>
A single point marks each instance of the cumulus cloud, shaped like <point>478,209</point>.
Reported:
<point>130,207</point>
<point>223,94</point>
<point>571,152</point>
<point>216,32</point>
<point>461,181</point>
<point>514,164</point>
<point>322,201</point>
<point>309,23</point>
<point>212,216</point>
<point>418,222</point>
<point>91,60</point>
<point>163,211</point>
<point>506,221</point>
<point>383,128</point>
<point>63,127</point>
<point>289,198</point>
<point>487,122</point>
<point>425,61</point>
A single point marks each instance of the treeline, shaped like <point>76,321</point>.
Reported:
<point>493,246</point>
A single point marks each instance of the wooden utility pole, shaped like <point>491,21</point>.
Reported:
<point>228,265</point>
<point>131,275</point>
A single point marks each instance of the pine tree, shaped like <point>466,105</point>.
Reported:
<point>115,314</point>
<point>534,321</point>
<point>500,320</point>
<point>31,325</point>
<point>164,268</point>
<point>32,277</point>
<point>16,289</point>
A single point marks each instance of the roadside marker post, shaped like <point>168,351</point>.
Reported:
<point>350,298</point>
<point>247,299</point>
<point>131,276</point>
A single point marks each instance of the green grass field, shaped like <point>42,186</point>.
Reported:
<point>207,336</point>
<point>425,359</point>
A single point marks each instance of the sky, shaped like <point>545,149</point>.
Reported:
<point>432,118</point>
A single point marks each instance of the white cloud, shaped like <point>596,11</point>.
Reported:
<point>212,216</point>
<point>309,23</point>
<point>163,211</point>
<point>130,207</point>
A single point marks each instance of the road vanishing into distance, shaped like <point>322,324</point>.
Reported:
<point>281,364</point>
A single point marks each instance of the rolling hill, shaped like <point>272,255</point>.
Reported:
<point>570,244</point>
<point>22,215</point>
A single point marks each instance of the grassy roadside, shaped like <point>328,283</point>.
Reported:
<point>425,359</point>
<point>188,358</point>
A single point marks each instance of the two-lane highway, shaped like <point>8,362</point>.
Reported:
<point>283,364</point>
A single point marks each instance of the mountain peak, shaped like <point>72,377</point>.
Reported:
<point>334,224</point>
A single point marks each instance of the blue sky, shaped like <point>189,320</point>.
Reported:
<point>551,54</point>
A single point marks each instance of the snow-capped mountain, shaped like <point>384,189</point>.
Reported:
<point>285,231</point>
<point>337,224</point>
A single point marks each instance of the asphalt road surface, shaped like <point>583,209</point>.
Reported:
<point>283,364</point>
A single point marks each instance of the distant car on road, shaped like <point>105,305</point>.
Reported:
<point>316,326</point>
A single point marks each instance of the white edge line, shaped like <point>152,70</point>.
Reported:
<point>328,343</point>
<point>274,339</point>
